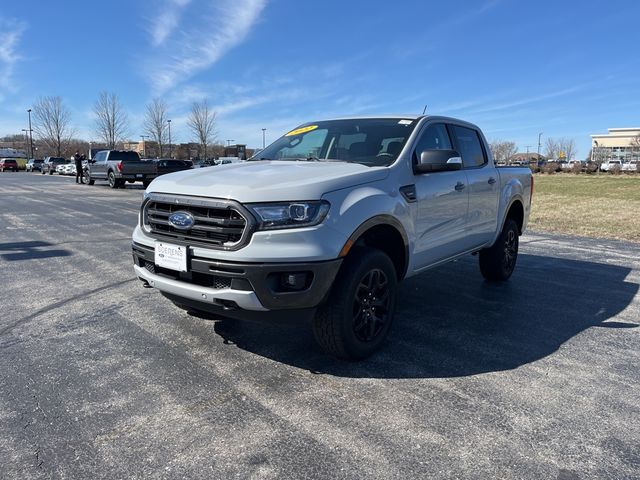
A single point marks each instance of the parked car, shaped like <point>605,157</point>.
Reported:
<point>169,165</point>
<point>631,166</point>
<point>34,164</point>
<point>610,164</point>
<point>8,164</point>
<point>327,221</point>
<point>51,163</point>
<point>118,167</point>
<point>570,164</point>
<point>67,168</point>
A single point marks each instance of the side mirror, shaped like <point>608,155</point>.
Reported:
<point>438,161</point>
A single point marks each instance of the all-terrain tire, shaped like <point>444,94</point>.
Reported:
<point>498,261</point>
<point>355,320</point>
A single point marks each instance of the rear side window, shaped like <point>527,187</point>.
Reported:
<point>124,156</point>
<point>470,147</point>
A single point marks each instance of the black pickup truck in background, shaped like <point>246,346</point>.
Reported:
<point>169,165</point>
<point>118,167</point>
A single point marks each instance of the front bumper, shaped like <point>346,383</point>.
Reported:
<point>233,285</point>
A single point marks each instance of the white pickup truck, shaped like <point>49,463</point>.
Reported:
<point>328,220</point>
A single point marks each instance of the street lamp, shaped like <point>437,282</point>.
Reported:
<point>26,138</point>
<point>263,143</point>
<point>30,134</point>
<point>144,145</point>
<point>169,122</point>
<point>539,144</point>
<point>229,142</point>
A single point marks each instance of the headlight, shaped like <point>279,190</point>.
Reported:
<point>272,216</point>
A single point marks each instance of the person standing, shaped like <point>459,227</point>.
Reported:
<point>78,160</point>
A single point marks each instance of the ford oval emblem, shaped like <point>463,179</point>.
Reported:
<point>182,220</point>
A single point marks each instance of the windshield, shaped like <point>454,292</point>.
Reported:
<point>370,141</point>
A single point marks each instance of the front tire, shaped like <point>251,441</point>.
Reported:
<point>356,318</point>
<point>498,262</point>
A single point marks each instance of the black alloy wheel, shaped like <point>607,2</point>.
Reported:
<point>356,317</point>
<point>498,262</point>
<point>371,305</point>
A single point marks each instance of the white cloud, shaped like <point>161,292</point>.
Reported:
<point>11,31</point>
<point>166,22</point>
<point>187,42</point>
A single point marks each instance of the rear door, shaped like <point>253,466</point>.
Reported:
<point>442,199</point>
<point>483,186</point>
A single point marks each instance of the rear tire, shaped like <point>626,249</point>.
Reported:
<point>498,262</point>
<point>355,320</point>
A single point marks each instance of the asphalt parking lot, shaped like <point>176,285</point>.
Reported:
<point>101,378</point>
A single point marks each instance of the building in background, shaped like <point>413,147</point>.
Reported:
<point>238,151</point>
<point>619,144</point>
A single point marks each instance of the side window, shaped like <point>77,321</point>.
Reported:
<point>470,146</point>
<point>434,137</point>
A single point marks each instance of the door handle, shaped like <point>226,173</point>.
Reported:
<point>492,181</point>
<point>459,186</point>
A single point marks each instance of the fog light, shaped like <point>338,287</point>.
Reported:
<point>295,280</point>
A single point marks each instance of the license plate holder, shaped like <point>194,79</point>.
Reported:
<point>171,256</point>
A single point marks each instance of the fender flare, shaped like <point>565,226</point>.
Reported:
<point>388,220</point>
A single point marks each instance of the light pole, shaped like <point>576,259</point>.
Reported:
<point>26,137</point>
<point>30,134</point>
<point>144,145</point>
<point>169,122</point>
<point>263,143</point>
<point>229,142</point>
<point>539,145</point>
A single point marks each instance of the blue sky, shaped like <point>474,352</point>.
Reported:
<point>516,68</point>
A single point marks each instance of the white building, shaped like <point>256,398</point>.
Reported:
<point>619,144</point>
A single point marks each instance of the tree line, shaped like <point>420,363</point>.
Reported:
<point>52,123</point>
<point>554,148</point>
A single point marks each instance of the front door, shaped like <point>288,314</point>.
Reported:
<point>442,204</point>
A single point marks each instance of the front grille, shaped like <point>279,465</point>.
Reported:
<point>218,223</point>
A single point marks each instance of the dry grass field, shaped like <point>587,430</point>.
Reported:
<point>605,206</point>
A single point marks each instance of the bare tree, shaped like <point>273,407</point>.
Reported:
<point>567,146</point>
<point>551,149</point>
<point>111,120</point>
<point>155,122</point>
<point>502,151</point>
<point>202,123</point>
<point>51,123</point>
<point>560,148</point>
<point>635,148</point>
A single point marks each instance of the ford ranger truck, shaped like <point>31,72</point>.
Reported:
<point>328,220</point>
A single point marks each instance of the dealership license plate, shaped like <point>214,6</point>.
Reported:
<point>173,257</point>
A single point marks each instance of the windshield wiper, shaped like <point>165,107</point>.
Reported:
<point>307,159</point>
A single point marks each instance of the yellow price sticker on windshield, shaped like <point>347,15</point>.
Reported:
<point>300,130</point>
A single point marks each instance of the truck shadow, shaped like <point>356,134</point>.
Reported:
<point>16,251</point>
<point>451,323</point>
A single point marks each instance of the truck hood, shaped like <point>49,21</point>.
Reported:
<point>268,181</point>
